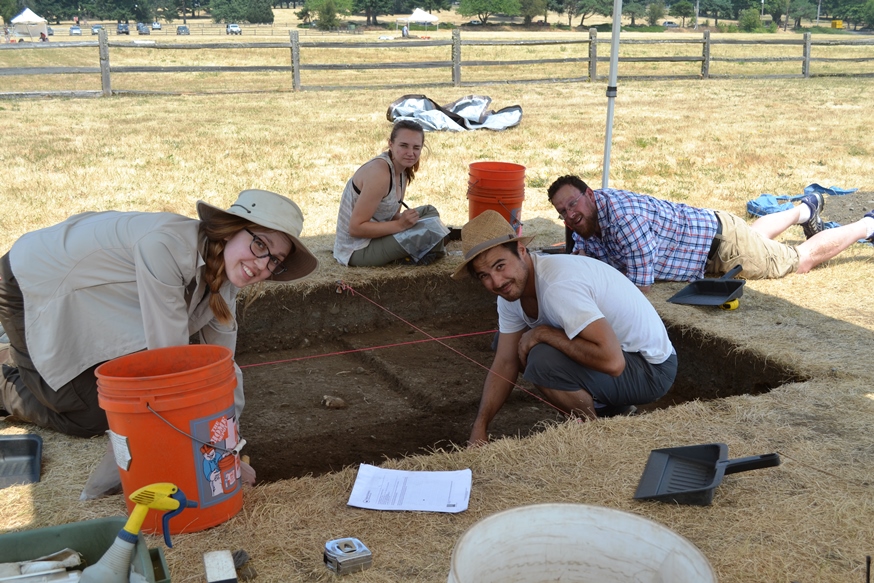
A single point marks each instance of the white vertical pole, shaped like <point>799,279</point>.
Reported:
<point>611,88</point>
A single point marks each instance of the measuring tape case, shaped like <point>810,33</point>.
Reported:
<point>347,555</point>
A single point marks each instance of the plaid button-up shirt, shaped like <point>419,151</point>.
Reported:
<point>649,239</point>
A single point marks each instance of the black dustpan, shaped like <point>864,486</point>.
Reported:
<point>711,292</point>
<point>690,474</point>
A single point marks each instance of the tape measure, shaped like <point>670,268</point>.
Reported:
<point>730,305</point>
<point>347,555</point>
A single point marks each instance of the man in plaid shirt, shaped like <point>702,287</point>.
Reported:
<point>649,239</point>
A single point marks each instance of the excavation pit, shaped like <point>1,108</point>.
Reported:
<point>401,392</point>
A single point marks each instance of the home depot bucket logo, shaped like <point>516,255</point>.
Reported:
<point>218,474</point>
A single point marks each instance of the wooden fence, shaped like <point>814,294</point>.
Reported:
<point>589,67</point>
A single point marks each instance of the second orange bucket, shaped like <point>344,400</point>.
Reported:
<point>172,419</point>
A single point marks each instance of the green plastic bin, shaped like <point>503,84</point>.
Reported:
<point>91,538</point>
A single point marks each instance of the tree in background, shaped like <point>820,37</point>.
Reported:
<point>483,9</point>
<point>428,6</point>
<point>260,12</point>
<point>305,15</point>
<point>633,10</point>
<point>8,10</point>
<point>654,13</point>
<point>372,9</point>
<point>551,5</point>
<point>683,9</point>
<point>529,9</point>
<point>749,20</point>
<point>799,9</point>
<point>229,10</point>
<point>602,7</point>
<point>328,11</point>
<point>717,8</point>
<point>867,13</point>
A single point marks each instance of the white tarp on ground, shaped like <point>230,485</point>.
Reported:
<point>471,112</point>
<point>29,24</point>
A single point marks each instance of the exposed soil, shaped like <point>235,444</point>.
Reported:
<point>406,394</point>
<point>848,208</point>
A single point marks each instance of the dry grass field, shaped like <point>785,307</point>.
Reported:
<point>713,143</point>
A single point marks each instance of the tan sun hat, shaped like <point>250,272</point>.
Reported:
<point>486,230</point>
<point>276,212</point>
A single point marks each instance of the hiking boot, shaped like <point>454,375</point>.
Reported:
<point>815,202</point>
<point>615,411</point>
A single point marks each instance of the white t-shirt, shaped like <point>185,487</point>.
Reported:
<point>574,291</point>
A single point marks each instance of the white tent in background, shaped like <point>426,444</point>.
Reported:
<point>418,16</point>
<point>29,24</point>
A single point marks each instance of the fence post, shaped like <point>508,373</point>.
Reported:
<point>103,51</point>
<point>456,57</point>
<point>295,60</point>
<point>805,64</point>
<point>705,64</point>
<point>593,55</point>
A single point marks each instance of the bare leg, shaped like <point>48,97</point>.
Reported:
<point>772,225</point>
<point>577,402</point>
<point>825,245</point>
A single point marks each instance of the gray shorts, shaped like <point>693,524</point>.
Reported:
<point>640,382</point>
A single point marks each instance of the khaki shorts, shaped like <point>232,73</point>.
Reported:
<point>762,258</point>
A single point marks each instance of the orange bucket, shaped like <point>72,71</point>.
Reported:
<point>172,419</point>
<point>509,205</point>
<point>498,186</point>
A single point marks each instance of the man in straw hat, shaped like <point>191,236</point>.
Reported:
<point>579,330</point>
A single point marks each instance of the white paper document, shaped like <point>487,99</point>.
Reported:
<point>379,489</point>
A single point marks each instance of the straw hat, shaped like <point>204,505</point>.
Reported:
<point>276,212</point>
<point>486,230</point>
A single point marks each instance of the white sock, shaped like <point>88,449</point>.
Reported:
<point>869,226</point>
<point>803,213</point>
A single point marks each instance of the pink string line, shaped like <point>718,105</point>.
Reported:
<point>343,286</point>
<point>341,352</point>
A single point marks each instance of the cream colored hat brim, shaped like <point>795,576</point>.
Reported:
<point>277,213</point>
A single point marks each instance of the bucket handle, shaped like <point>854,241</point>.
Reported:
<point>235,451</point>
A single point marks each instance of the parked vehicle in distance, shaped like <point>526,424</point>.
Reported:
<point>122,28</point>
<point>475,22</point>
<point>182,29</point>
<point>670,24</point>
<point>156,25</point>
<point>50,31</point>
<point>233,29</point>
<point>95,29</point>
<point>143,29</point>
<point>75,31</point>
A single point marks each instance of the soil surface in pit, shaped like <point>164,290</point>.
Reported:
<point>403,394</point>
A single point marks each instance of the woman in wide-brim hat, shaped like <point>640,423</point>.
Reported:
<point>103,285</point>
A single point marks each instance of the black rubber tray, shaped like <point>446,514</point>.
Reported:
<point>20,457</point>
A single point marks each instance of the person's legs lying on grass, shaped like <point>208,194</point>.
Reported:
<point>830,242</point>
<point>806,213</point>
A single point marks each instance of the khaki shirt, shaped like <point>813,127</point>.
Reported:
<point>102,285</point>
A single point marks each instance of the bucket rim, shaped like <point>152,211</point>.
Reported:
<point>480,163</point>
<point>565,507</point>
<point>225,352</point>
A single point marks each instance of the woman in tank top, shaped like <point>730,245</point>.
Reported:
<point>374,224</point>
